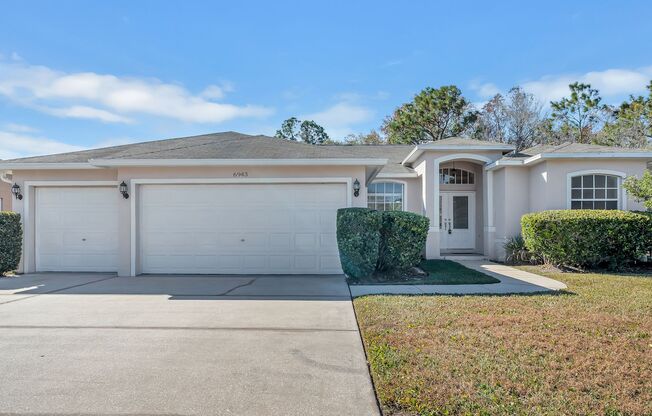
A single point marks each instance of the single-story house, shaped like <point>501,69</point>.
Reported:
<point>230,203</point>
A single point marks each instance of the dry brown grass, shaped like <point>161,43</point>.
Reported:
<point>586,351</point>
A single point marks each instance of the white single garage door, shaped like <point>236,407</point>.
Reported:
<point>239,229</point>
<point>77,229</point>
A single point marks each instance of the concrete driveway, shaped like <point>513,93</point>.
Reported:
<point>180,345</point>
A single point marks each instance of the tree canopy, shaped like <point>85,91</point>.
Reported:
<point>630,124</point>
<point>516,119</point>
<point>433,114</point>
<point>579,113</point>
<point>307,131</point>
<point>370,138</point>
<point>640,188</point>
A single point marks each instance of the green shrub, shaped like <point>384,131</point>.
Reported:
<point>358,239</point>
<point>587,238</point>
<point>402,240</point>
<point>11,237</point>
<point>516,252</point>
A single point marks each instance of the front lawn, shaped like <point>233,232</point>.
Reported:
<point>585,351</point>
<point>439,272</point>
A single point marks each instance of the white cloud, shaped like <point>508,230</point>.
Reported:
<point>110,98</point>
<point>612,83</point>
<point>81,111</point>
<point>339,118</point>
<point>213,92</point>
<point>15,145</point>
<point>485,90</point>
<point>19,128</point>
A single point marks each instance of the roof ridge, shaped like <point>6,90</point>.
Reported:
<point>561,146</point>
<point>187,146</point>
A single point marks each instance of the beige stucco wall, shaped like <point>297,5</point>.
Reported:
<point>128,174</point>
<point>5,196</point>
<point>427,164</point>
<point>519,190</point>
<point>516,191</point>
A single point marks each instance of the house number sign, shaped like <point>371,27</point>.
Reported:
<point>240,174</point>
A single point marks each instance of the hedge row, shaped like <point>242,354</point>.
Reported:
<point>11,235</point>
<point>588,238</point>
<point>389,241</point>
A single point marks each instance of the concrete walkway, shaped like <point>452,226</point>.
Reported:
<point>512,281</point>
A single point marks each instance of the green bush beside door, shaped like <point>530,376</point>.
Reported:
<point>370,240</point>
<point>588,238</point>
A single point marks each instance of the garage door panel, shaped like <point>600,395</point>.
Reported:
<point>280,242</point>
<point>308,263</point>
<point>328,242</point>
<point>253,228</point>
<point>76,229</point>
<point>280,263</point>
<point>305,242</point>
<point>331,264</point>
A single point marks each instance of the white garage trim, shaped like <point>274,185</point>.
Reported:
<point>238,162</point>
<point>134,183</point>
<point>29,239</point>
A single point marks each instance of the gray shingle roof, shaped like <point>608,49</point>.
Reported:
<point>568,147</point>
<point>229,145</point>
<point>232,145</point>
<point>394,153</point>
<point>463,141</point>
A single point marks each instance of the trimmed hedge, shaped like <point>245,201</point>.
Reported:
<point>358,239</point>
<point>11,237</point>
<point>587,238</point>
<point>402,240</point>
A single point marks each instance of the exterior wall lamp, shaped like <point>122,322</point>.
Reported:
<point>356,188</point>
<point>124,190</point>
<point>16,191</point>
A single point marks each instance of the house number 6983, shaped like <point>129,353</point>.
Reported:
<point>240,174</point>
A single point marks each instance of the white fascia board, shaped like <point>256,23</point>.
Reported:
<point>419,149</point>
<point>42,166</point>
<point>596,155</point>
<point>398,175</point>
<point>501,163</point>
<point>411,157</point>
<point>236,162</point>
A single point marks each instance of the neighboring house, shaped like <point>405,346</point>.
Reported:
<point>233,203</point>
<point>5,195</point>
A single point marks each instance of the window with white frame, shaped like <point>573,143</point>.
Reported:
<point>453,176</point>
<point>595,191</point>
<point>385,196</point>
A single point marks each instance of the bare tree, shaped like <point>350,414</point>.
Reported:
<point>515,119</point>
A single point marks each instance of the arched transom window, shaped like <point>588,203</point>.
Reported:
<point>385,196</point>
<point>595,191</point>
<point>453,176</point>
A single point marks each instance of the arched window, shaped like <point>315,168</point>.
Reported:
<point>594,191</point>
<point>386,196</point>
<point>453,176</point>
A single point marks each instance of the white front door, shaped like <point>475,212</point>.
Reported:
<point>457,220</point>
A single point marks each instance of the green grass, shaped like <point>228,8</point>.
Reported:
<point>583,351</point>
<point>440,272</point>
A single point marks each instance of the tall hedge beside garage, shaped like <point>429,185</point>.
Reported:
<point>358,239</point>
<point>402,240</point>
<point>11,236</point>
<point>588,238</point>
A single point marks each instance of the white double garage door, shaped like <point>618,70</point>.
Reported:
<point>193,229</point>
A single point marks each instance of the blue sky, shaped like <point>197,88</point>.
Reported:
<point>76,75</point>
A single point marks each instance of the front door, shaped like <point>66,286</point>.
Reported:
<point>457,220</point>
